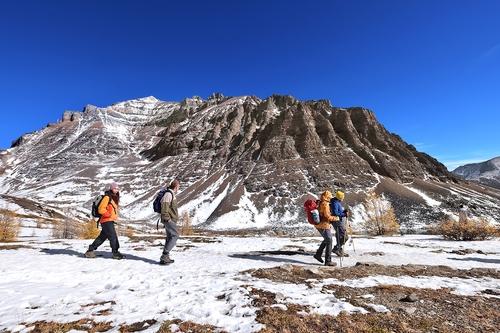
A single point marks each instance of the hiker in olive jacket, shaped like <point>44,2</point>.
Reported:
<point>169,218</point>
<point>325,229</point>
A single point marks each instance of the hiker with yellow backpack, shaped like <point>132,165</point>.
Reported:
<point>340,225</point>
<point>325,229</point>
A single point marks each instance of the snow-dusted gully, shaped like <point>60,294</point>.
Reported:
<point>50,280</point>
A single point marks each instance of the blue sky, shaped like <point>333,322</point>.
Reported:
<point>430,70</point>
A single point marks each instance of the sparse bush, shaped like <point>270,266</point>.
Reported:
<point>129,231</point>
<point>186,228</point>
<point>380,218</point>
<point>66,228</point>
<point>466,229</point>
<point>9,226</point>
<point>88,230</point>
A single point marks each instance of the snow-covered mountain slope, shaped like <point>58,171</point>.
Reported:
<point>487,173</point>
<point>243,162</point>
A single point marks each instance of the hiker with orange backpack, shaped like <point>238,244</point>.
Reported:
<point>325,229</point>
<point>107,211</point>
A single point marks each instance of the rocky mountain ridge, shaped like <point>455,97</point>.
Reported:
<point>243,162</point>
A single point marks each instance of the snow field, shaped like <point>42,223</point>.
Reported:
<point>206,284</point>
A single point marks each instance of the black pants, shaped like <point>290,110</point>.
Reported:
<point>107,232</point>
<point>340,234</point>
<point>326,244</point>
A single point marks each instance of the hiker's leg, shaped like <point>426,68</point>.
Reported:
<point>327,236</point>
<point>99,240</point>
<point>172,235</point>
<point>337,240</point>
<point>322,246</point>
<point>342,234</point>
<point>113,237</point>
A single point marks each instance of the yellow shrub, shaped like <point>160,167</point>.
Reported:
<point>129,231</point>
<point>186,228</point>
<point>89,230</point>
<point>380,218</point>
<point>466,229</point>
<point>9,226</point>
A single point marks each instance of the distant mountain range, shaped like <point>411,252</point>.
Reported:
<point>243,162</point>
<point>487,173</point>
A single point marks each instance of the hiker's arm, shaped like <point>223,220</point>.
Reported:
<point>326,213</point>
<point>337,210</point>
<point>103,207</point>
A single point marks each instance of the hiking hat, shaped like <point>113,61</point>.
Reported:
<point>339,195</point>
<point>113,186</point>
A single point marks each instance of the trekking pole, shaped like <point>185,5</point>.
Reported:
<point>352,237</point>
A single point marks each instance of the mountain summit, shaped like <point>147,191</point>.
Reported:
<point>487,173</point>
<point>243,162</point>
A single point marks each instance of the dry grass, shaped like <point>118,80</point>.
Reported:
<point>186,229</point>
<point>137,327</point>
<point>86,325</point>
<point>9,226</point>
<point>300,274</point>
<point>466,229</point>
<point>437,313</point>
<point>188,327</point>
<point>380,216</point>
<point>15,247</point>
<point>88,230</point>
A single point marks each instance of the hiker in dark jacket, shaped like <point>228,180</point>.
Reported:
<point>169,218</point>
<point>108,209</point>
<point>325,229</point>
<point>339,226</point>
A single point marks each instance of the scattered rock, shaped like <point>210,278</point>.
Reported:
<point>367,264</point>
<point>314,270</point>
<point>376,253</point>
<point>411,298</point>
<point>491,292</point>
<point>411,310</point>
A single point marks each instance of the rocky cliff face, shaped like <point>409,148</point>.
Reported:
<point>487,173</point>
<point>243,162</point>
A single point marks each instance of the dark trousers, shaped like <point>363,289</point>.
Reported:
<point>172,236</point>
<point>340,234</point>
<point>107,232</point>
<point>326,244</point>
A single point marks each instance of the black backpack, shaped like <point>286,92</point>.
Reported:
<point>95,205</point>
<point>157,201</point>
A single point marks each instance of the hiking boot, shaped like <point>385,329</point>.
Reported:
<point>330,263</point>
<point>118,255</point>
<point>166,260</point>
<point>90,254</point>
<point>317,256</point>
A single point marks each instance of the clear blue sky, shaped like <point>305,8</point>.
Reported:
<point>430,70</point>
